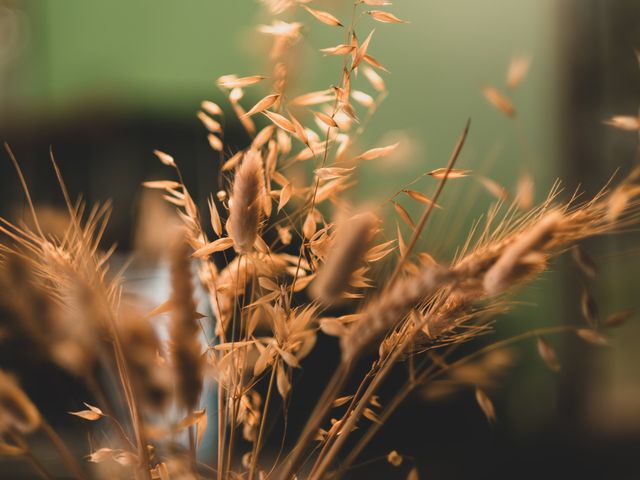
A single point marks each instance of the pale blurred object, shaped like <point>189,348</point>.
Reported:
<point>156,220</point>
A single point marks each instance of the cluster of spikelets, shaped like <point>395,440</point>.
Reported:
<point>286,268</point>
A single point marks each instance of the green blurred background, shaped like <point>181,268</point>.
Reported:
<point>104,82</point>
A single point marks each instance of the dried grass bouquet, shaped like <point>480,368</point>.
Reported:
<point>281,263</point>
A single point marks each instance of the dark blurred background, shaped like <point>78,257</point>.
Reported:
<point>105,83</point>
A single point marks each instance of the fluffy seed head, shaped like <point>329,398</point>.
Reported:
<point>352,240</point>
<point>184,328</point>
<point>151,379</point>
<point>245,204</point>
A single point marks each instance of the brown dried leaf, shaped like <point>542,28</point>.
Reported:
<point>216,246</point>
<point>309,226</point>
<point>332,327</point>
<point>593,337</point>
<point>268,284</point>
<point>338,402</point>
<point>499,101</point>
<point>165,158</point>
<point>453,173</point>
<point>211,108</point>
<point>326,119</point>
<point>584,262</point>
<point>384,17</point>
<point>362,51</point>
<point>375,63</point>
<point>486,405</point>
<point>623,122</point>
<point>404,214</point>
<point>377,152</point>
<point>619,318</point>
<point>313,98</point>
<point>329,173</point>
<point>192,419</point>
<point>285,196</point>
<point>548,354</point>
<point>402,247</point>
<point>371,415</point>
<point>324,17</point>
<point>375,80</point>
<point>413,474</point>
<point>232,81</point>
<point>280,121</point>
<point>162,184</point>
<point>233,161</point>
<point>494,188</point>
<point>525,192</point>
<point>588,307</point>
<point>341,49</point>
<point>209,123</point>
<point>216,224</point>
<point>94,413</point>
<point>101,455</point>
<point>394,458</point>
<point>215,143</point>
<point>283,383</point>
<point>518,69</point>
<point>263,104</point>
<point>363,98</point>
<point>420,197</point>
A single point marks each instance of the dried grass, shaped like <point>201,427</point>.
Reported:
<point>275,294</point>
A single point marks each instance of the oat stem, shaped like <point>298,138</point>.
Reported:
<point>258,444</point>
<point>67,456</point>
<point>427,212</point>
<point>425,376</point>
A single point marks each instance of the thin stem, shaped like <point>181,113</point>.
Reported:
<point>328,442</point>
<point>16,165</point>
<point>315,420</point>
<point>351,421</point>
<point>221,430</point>
<point>192,448</point>
<point>426,214</point>
<point>426,375</point>
<point>39,467</point>
<point>105,405</point>
<point>67,456</point>
<point>258,445</point>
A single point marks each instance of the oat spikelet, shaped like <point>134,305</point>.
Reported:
<point>351,242</point>
<point>184,329</point>
<point>245,204</point>
<point>17,412</point>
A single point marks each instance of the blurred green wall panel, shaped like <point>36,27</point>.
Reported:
<point>160,52</point>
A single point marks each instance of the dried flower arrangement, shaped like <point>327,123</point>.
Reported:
<point>288,267</point>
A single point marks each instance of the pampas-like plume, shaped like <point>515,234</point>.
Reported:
<point>350,245</point>
<point>186,349</point>
<point>485,272</point>
<point>60,322</point>
<point>150,377</point>
<point>17,412</point>
<point>245,205</point>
